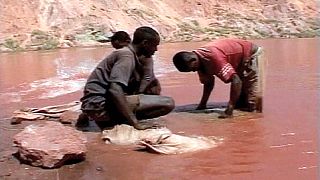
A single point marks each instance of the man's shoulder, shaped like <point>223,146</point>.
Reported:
<point>123,51</point>
<point>118,54</point>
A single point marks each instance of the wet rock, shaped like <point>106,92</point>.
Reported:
<point>50,145</point>
<point>48,112</point>
<point>20,116</point>
<point>69,117</point>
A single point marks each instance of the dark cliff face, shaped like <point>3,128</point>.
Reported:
<point>44,24</point>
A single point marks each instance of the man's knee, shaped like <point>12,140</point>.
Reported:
<point>168,103</point>
<point>153,104</point>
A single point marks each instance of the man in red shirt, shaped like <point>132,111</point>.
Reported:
<point>233,61</point>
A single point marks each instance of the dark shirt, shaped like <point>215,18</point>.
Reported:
<point>118,67</point>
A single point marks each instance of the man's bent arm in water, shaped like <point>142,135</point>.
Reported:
<point>207,89</point>
<point>208,85</point>
<point>235,90</point>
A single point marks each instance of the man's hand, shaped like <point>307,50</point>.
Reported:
<point>228,113</point>
<point>224,116</point>
<point>201,106</point>
<point>154,88</point>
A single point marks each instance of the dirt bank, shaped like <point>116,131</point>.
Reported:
<point>48,24</point>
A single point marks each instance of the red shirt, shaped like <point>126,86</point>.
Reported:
<point>222,58</point>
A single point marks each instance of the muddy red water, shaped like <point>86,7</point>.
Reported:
<point>282,144</point>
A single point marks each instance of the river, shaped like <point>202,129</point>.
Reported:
<point>282,144</point>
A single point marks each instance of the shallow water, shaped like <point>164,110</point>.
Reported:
<point>281,144</point>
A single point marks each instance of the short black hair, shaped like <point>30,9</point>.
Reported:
<point>145,33</point>
<point>181,61</point>
<point>121,36</point>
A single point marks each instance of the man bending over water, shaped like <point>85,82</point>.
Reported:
<point>233,61</point>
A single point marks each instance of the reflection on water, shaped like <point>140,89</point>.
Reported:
<point>66,80</point>
<point>280,145</point>
<point>67,75</point>
<point>42,75</point>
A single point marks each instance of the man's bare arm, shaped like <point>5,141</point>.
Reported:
<point>147,74</point>
<point>121,104</point>
<point>235,90</point>
<point>207,89</point>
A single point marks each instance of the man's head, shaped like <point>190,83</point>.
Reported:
<point>120,39</point>
<point>146,41</point>
<point>186,61</point>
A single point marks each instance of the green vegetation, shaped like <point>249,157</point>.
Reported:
<point>91,33</point>
<point>314,23</point>
<point>195,22</point>
<point>144,14</point>
<point>263,34</point>
<point>43,40</point>
<point>51,43</point>
<point>191,28</point>
<point>12,44</point>
<point>87,37</point>
<point>269,21</point>
<point>305,34</point>
<point>37,32</point>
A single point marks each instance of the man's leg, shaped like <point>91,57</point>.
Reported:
<point>252,94</point>
<point>254,83</point>
<point>247,99</point>
<point>256,88</point>
<point>144,106</point>
<point>82,121</point>
<point>101,118</point>
<point>262,65</point>
<point>152,106</point>
<point>241,104</point>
